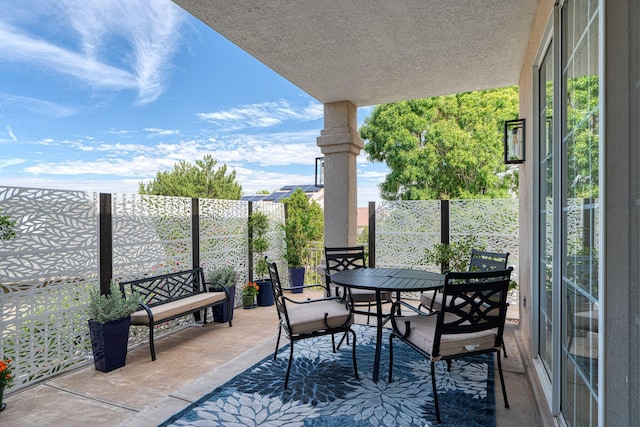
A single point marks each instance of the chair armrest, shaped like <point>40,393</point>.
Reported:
<point>307,301</point>
<point>395,307</point>
<point>304,287</point>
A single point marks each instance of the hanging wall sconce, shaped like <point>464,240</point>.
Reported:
<point>514,139</point>
<point>319,171</point>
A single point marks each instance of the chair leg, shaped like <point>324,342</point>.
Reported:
<point>504,389</point>
<point>286,378</point>
<point>435,390</point>
<point>275,353</point>
<point>504,348</point>
<point>369,312</point>
<point>346,335</point>
<point>355,365</point>
<point>448,365</point>
<point>390,358</point>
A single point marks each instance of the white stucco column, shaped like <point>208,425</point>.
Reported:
<point>340,143</point>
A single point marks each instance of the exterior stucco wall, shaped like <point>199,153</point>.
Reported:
<point>527,169</point>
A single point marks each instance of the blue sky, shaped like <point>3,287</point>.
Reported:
<point>99,95</point>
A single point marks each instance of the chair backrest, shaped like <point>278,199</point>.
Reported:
<point>278,297</point>
<point>345,258</point>
<point>475,301</point>
<point>342,258</point>
<point>487,261</point>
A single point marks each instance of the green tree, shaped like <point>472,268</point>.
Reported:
<point>199,180</point>
<point>443,147</point>
<point>305,223</point>
<point>6,228</point>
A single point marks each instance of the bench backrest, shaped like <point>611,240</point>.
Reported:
<point>164,288</point>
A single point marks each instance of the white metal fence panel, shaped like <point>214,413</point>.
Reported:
<point>404,231</point>
<point>46,272</point>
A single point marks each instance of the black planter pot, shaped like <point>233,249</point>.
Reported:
<point>296,278</point>
<point>265,293</point>
<point>224,313</point>
<point>109,343</point>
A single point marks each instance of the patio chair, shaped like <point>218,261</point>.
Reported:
<point>310,318</point>
<point>479,261</point>
<point>348,258</point>
<point>471,322</point>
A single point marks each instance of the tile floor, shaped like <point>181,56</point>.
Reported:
<point>190,363</point>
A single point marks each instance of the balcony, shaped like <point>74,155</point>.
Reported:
<point>192,362</point>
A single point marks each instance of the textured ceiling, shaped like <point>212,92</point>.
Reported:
<point>372,52</point>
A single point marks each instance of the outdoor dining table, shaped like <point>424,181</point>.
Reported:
<point>387,280</point>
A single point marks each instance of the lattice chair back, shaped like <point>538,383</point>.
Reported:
<point>487,261</point>
<point>474,302</point>
<point>345,258</point>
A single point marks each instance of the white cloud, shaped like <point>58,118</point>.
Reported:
<point>10,162</point>
<point>261,115</point>
<point>162,132</point>
<point>11,134</point>
<point>146,34</point>
<point>37,106</point>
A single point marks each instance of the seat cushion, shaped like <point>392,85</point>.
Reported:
<point>174,308</point>
<point>361,295</point>
<point>423,329</point>
<point>426,299</point>
<point>309,317</point>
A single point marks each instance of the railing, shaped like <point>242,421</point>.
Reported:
<point>47,270</point>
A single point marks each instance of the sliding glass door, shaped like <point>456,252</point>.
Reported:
<point>545,214</point>
<point>568,196</point>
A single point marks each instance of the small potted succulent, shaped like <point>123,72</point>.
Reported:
<point>109,322</point>
<point>249,293</point>
<point>6,379</point>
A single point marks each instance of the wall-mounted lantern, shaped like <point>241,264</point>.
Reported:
<point>319,171</point>
<point>514,139</point>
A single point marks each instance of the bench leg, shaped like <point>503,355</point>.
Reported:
<point>151,344</point>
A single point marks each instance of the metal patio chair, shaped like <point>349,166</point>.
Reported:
<point>310,318</point>
<point>470,322</point>
<point>348,258</point>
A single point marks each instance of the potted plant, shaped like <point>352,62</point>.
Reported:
<point>304,223</point>
<point>109,321</point>
<point>6,380</point>
<point>258,228</point>
<point>452,256</point>
<point>249,293</point>
<point>227,277</point>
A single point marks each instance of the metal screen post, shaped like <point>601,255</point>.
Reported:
<point>372,234</point>
<point>250,240</point>
<point>195,232</point>
<point>105,243</point>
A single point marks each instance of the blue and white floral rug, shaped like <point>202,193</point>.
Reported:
<point>323,391</point>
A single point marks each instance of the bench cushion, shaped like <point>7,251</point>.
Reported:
<point>175,308</point>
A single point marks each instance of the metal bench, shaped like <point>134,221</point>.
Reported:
<point>173,295</point>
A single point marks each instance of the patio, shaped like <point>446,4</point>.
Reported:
<point>192,362</point>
